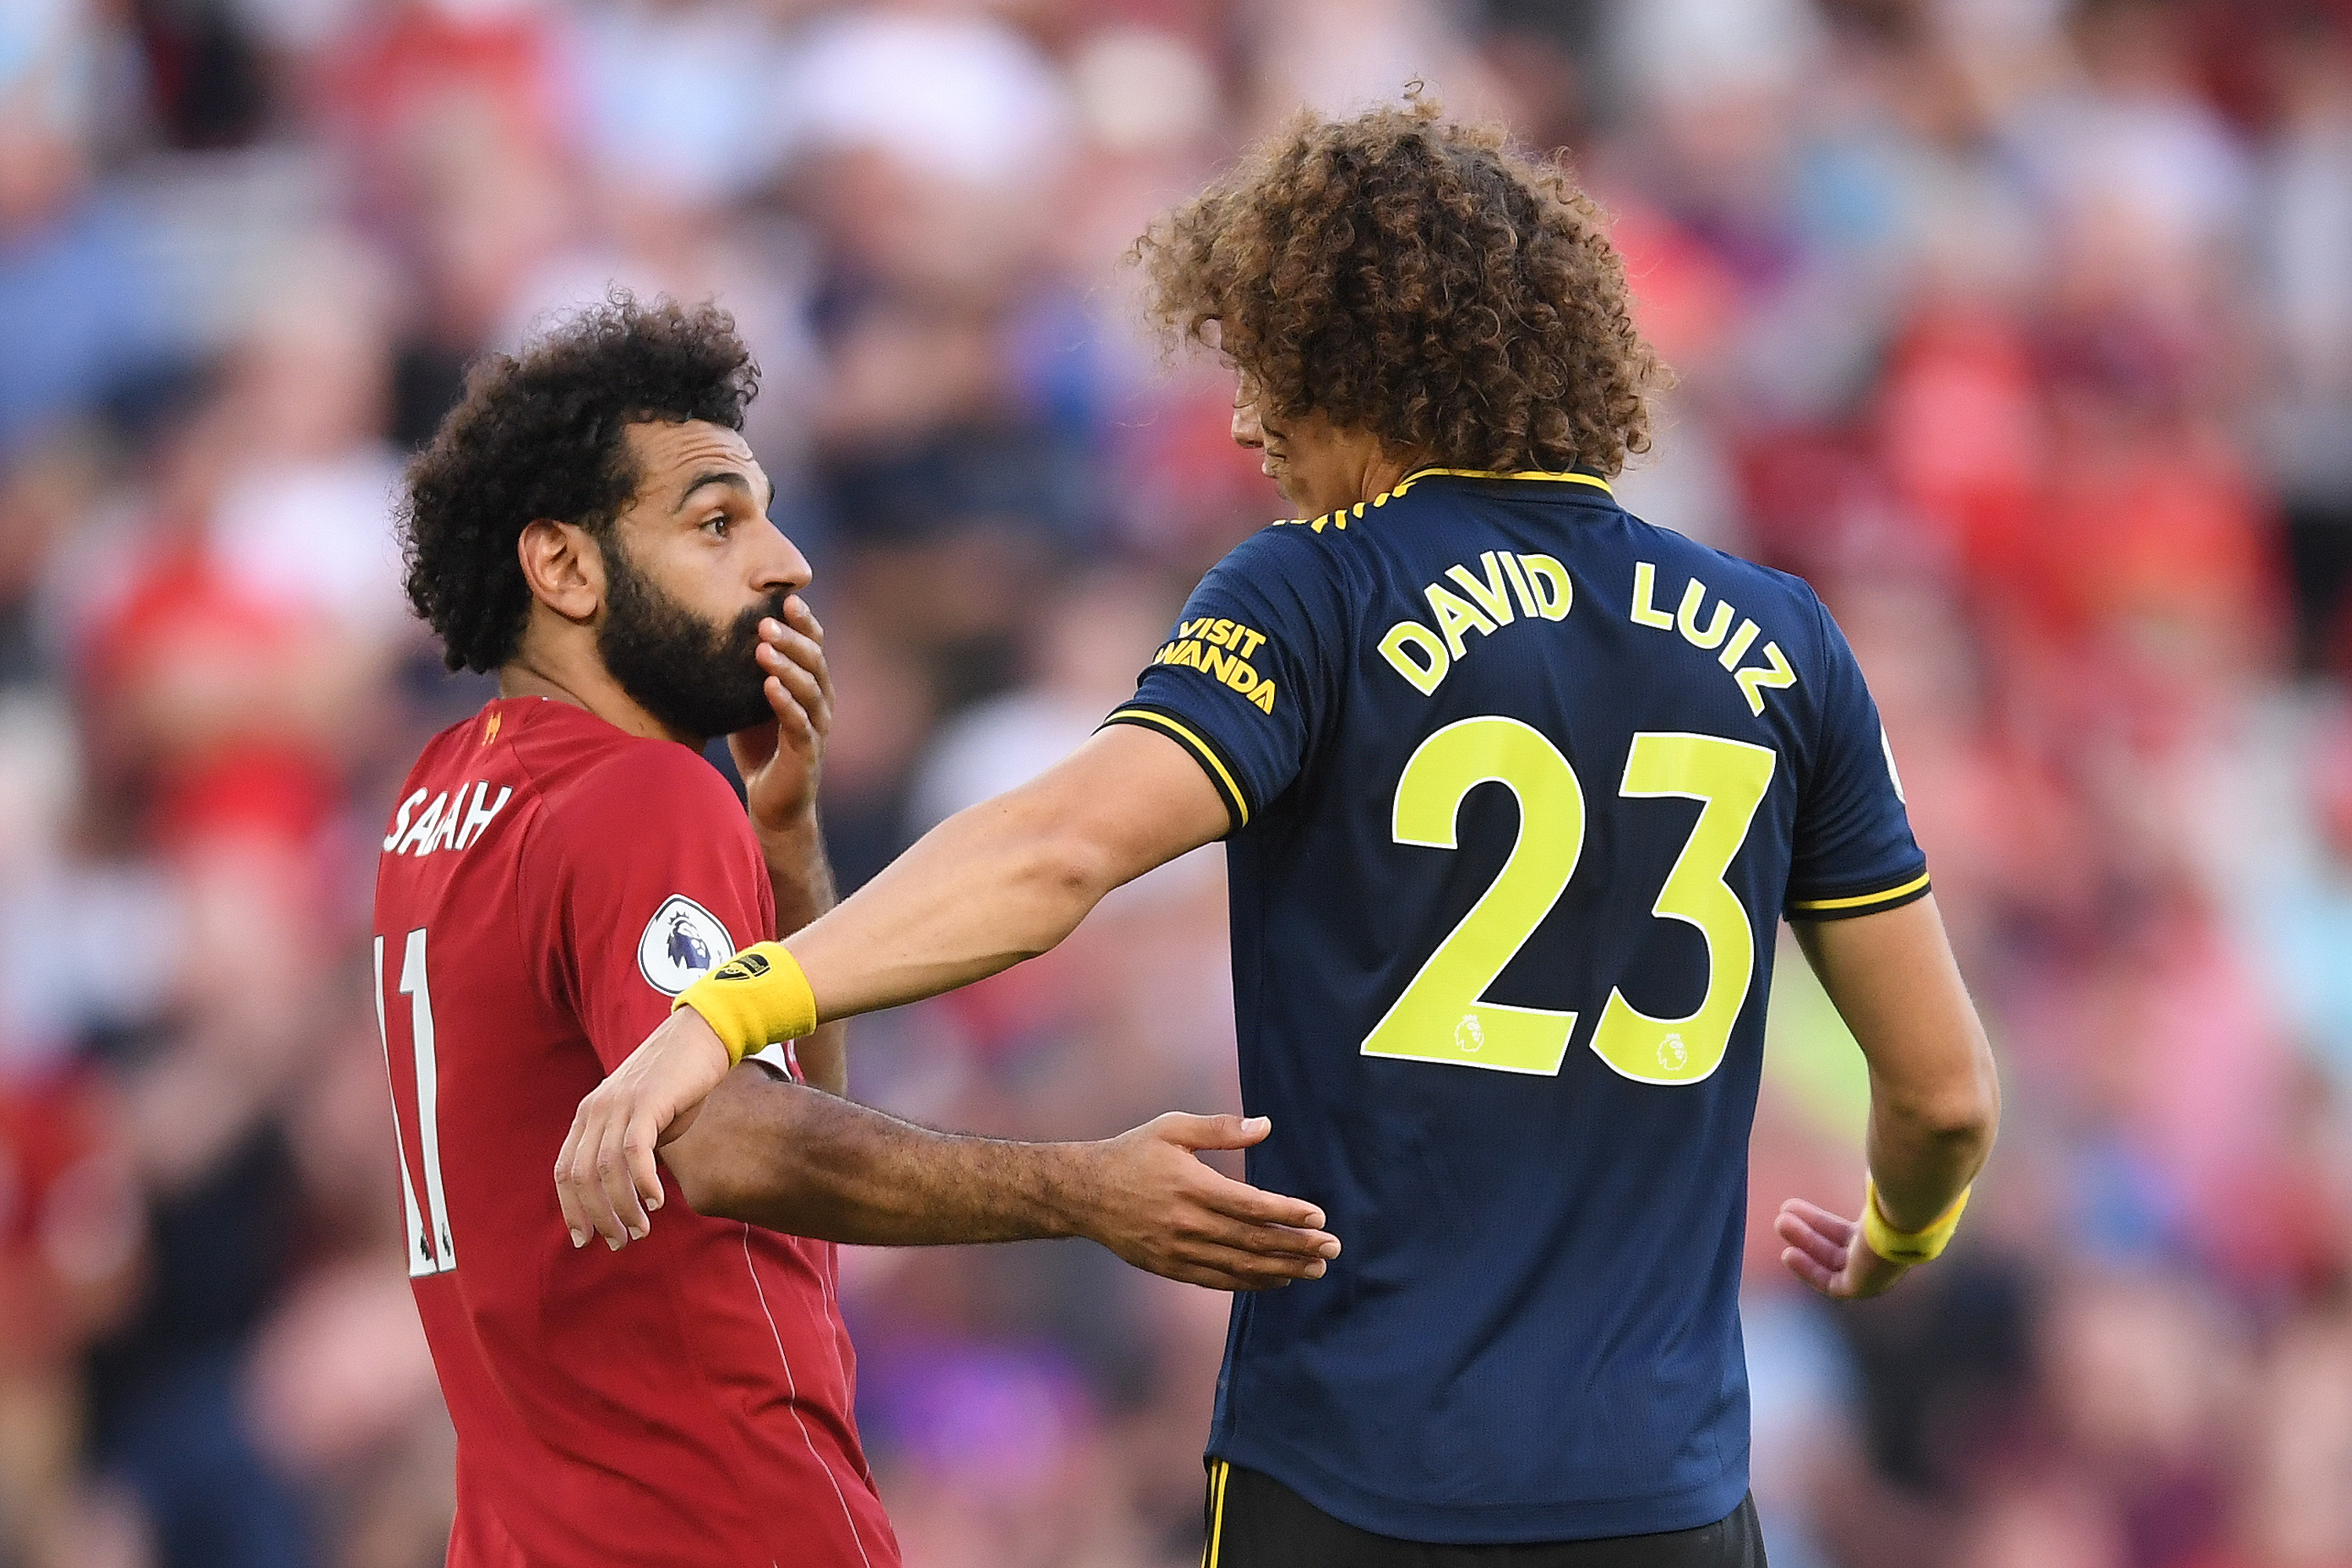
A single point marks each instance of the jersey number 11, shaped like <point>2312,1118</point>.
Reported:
<point>430,1250</point>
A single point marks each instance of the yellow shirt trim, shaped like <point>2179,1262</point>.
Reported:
<point>1595,480</point>
<point>1207,752</point>
<point>1338,518</point>
<point>1217,1517</point>
<point>1913,885</point>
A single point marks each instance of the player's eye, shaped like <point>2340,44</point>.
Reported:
<point>718,524</point>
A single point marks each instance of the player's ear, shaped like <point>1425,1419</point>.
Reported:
<point>564,566</point>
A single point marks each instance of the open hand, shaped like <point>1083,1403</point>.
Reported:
<point>780,759</point>
<point>605,1179</point>
<point>1827,1252</point>
<point>1147,1199</point>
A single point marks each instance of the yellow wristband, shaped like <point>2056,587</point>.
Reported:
<point>1907,1247</point>
<point>754,999</point>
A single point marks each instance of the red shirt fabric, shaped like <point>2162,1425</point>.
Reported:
<point>547,884</point>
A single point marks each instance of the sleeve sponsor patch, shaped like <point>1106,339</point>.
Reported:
<point>1221,649</point>
<point>683,942</point>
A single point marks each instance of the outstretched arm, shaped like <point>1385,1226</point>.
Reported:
<point>1011,877</point>
<point>1000,882</point>
<point>1935,1098</point>
<point>785,1156</point>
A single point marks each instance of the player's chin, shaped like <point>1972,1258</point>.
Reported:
<point>713,712</point>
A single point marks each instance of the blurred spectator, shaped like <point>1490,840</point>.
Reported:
<point>77,296</point>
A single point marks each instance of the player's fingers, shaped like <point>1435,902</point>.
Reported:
<point>619,1186</point>
<point>1790,1223</point>
<point>1256,1205</point>
<point>801,687</point>
<point>805,620</point>
<point>644,1134</point>
<point>1188,1132</point>
<point>1831,1255</point>
<point>575,1218</point>
<point>1810,1272</point>
<point>588,1193</point>
<point>791,726</point>
<point>812,710</point>
<point>803,657</point>
<point>1252,1265</point>
<point>798,647</point>
<point>1836,1226</point>
<point>1205,1224</point>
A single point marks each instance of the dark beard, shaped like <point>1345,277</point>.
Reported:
<point>697,678</point>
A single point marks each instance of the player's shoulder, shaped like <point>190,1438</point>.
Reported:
<point>1664,545</point>
<point>1327,554</point>
<point>1286,573</point>
<point>1669,567</point>
<point>594,778</point>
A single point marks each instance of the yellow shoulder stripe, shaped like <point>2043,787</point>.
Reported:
<point>1913,885</point>
<point>1207,753</point>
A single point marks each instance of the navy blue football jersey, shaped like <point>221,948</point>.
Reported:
<point>1519,786</point>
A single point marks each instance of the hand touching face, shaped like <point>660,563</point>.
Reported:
<point>782,760</point>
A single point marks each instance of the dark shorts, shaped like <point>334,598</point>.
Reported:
<point>1255,1522</point>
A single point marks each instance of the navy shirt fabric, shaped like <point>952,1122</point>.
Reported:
<point>1519,787</point>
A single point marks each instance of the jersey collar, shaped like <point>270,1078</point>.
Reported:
<point>1572,477</point>
<point>1577,482</point>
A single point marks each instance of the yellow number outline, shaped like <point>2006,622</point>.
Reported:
<point>1442,1016</point>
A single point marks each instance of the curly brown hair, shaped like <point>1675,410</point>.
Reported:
<point>1421,280</point>
<point>543,435</point>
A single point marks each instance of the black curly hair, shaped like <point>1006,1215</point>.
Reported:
<point>1419,279</point>
<point>540,435</point>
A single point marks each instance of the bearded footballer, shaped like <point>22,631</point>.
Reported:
<point>590,524</point>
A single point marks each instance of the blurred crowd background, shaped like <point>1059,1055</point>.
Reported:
<point>2022,326</point>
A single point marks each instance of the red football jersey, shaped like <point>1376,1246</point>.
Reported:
<point>548,884</point>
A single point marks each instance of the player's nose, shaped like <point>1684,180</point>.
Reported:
<point>1248,431</point>
<point>781,567</point>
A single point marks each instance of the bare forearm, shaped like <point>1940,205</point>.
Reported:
<point>1921,1167</point>
<point>800,874</point>
<point>1935,1097</point>
<point>981,891</point>
<point>1930,1136</point>
<point>789,1158</point>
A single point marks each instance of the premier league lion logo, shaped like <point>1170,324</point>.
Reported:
<point>686,948</point>
<point>679,944</point>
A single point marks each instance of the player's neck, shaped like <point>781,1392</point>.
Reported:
<point>1330,469</point>
<point>584,682</point>
<point>1384,471</point>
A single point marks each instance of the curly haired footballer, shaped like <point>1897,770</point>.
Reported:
<point>1417,279</point>
<point>541,435</point>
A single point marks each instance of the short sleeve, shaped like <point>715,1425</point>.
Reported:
<point>1853,854</point>
<point>1245,678</point>
<point>653,879</point>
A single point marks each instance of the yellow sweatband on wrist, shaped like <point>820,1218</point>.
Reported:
<point>1907,1247</point>
<point>754,999</point>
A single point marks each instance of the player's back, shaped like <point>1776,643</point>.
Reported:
<point>548,883</point>
<point>1527,783</point>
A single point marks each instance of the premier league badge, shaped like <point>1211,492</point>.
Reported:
<point>681,944</point>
